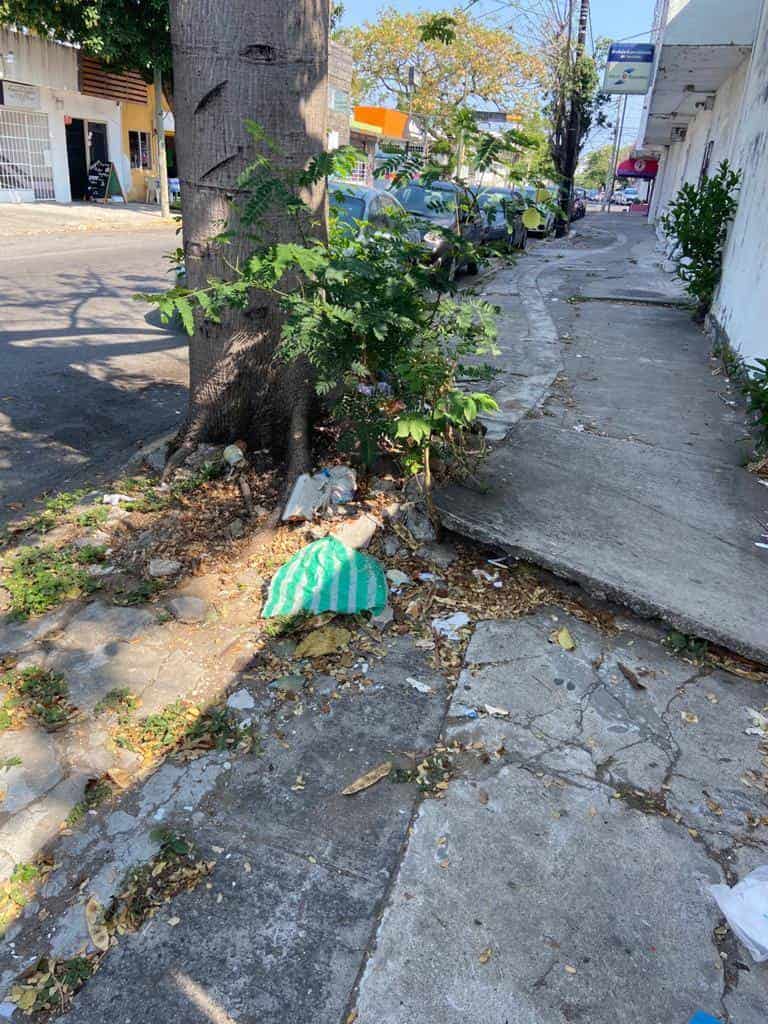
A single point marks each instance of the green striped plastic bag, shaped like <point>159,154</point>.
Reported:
<point>327,576</point>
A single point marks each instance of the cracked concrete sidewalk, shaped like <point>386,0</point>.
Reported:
<point>629,478</point>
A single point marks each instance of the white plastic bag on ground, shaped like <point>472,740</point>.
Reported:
<point>746,909</point>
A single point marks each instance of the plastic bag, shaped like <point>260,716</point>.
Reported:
<point>327,576</point>
<point>746,909</point>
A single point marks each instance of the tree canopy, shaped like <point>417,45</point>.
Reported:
<point>125,34</point>
<point>596,168</point>
<point>480,65</point>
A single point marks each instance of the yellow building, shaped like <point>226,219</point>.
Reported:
<point>140,146</point>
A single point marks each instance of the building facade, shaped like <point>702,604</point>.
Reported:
<point>60,112</point>
<point>709,103</point>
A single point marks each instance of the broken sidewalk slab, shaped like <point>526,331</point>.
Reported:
<point>607,893</point>
<point>327,576</point>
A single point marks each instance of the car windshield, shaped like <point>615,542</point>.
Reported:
<point>427,202</point>
<point>347,206</point>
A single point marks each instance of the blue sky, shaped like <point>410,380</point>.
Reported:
<point>612,19</point>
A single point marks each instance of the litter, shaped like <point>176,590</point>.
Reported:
<point>429,577</point>
<point>703,1018</point>
<point>418,685</point>
<point>314,492</point>
<point>462,711</point>
<point>449,626</point>
<point>233,455</point>
<point>746,909</point>
<point>495,712</point>
<point>241,701</point>
<point>397,578</point>
<point>115,499</point>
<point>327,576</point>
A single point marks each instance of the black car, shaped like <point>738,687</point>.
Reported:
<point>353,203</point>
<point>503,208</point>
<point>441,206</point>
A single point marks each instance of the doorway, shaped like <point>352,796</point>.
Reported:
<point>76,159</point>
<point>97,143</point>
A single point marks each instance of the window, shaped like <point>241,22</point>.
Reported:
<point>25,153</point>
<point>338,101</point>
<point>139,147</point>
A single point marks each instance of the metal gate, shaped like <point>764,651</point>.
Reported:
<point>25,153</point>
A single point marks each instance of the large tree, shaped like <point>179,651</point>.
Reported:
<point>237,64</point>
<point>476,64</point>
<point>595,171</point>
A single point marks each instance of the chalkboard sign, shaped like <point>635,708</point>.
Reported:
<point>103,182</point>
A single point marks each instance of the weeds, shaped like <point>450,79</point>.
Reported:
<point>119,701</point>
<point>40,578</point>
<point>139,594</point>
<point>36,693</point>
<point>183,727</point>
<point>96,792</point>
<point>690,647</point>
<point>19,890</point>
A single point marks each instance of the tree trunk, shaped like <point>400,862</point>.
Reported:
<point>162,159</point>
<point>236,60</point>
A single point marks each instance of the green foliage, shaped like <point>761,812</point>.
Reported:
<point>120,700</point>
<point>379,325</point>
<point>754,385</point>
<point>55,508</point>
<point>440,28</point>
<point>95,794</point>
<point>698,217</point>
<point>690,647</point>
<point>38,693</point>
<point>40,578</point>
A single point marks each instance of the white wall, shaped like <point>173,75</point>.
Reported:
<point>53,67</point>
<point>741,305</point>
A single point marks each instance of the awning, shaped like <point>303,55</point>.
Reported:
<point>639,168</point>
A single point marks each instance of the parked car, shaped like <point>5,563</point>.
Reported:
<point>594,195</point>
<point>631,195</point>
<point>352,202</point>
<point>547,213</point>
<point>579,204</point>
<point>503,208</point>
<point>444,205</point>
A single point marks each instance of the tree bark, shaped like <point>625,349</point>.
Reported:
<point>236,60</point>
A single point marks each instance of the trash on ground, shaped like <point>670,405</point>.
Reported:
<point>463,711</point>
<point>746,909</point>
<point>383,618</point>
<point>369,779</point>
<point>327,576</point>
<point>233,455</point>
<point>418,685</point>
<point>323,641</point>
<point>429,577</point>
<point>357,532</point>
<point>704,1018</point>
<point>313,492</point>
<point>495,712</point>
<point>397,578</point>
<point>450,625</point>
<point>241,701</point>
<point>563,637</point>
<point>115,499</point>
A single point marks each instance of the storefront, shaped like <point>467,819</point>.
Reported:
<point>26,171</point>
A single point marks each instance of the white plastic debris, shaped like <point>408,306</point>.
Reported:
<point>418,685</point>
<point>342,484</point>
<point>490,709</point>
<point>313,492</point>
<point>397,578</point>
<point>450,625</point>
<point>241,701</point>
<point>115,499</point>
<point>429,577</point>
<point>233,455</point>
<point>746,909</point>
<point>307,497</point>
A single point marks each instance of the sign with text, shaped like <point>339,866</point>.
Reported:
<point>629,69</point>
<point>15,94</point>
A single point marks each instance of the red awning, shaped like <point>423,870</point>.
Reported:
<point>639,168</point>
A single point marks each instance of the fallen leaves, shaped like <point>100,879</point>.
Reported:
<point>689,717</point>
<point>563,637</point>
<point>369,779</point>
<point>631,676</point>
<point>486,955</point>
<point>324,641</point>
<point>94,919</point>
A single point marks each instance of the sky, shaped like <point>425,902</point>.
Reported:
<point>613,19</point>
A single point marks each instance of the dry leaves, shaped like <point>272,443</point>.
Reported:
<point>689,717</point>
<point>94,918</point>
<point>369,779</point>
<point>563,637</point>
<point>322,642</point>
<point>632,677</point>
<point>486,955</point>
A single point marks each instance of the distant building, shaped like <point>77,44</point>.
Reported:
<point>709,103</point>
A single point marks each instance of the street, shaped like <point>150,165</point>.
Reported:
<point>87,371</point>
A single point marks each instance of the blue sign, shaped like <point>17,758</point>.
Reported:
<point>629,68</point>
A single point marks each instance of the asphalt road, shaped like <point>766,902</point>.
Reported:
<point>86,372</point>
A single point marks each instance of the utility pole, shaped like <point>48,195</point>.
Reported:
<point>574,120</point>
<point>618,132</point>
<point>162,160</point>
